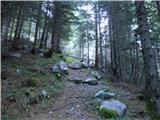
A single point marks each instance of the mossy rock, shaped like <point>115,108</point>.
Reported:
<point>106,113</point>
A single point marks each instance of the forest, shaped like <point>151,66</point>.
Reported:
<point>80,60</point>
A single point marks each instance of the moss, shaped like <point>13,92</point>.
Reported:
<point>151,109</point>
<point>106,113</point>
<point>71,59</point>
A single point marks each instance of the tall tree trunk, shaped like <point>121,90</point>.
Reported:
<point>44,28</point>
<point>96,44</point>
<point>158,7</point>
<point>88,46</point>
<point>12,26</point>
<point>18,21</point>
<point>20,27</point>
<point>30,26</point>
<point>151,75</point>
<point>7,28</point>
<point>100,38</point>
<point>16,41</point>
<point>33,51</point>
<point>45,40</point>
<point>54,40</point>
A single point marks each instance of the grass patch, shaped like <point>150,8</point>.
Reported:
<point>29,78</point>
<point>71,59</point>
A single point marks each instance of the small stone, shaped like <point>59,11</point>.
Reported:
<point>90,81</point>
<point>17,71</point>
<point>50,112</point>
<point>15,55</point>
<point>75,65</point>
<point>104,95</point>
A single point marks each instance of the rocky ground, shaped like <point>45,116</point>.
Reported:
<point>77,101</point>
<point>68,100</point>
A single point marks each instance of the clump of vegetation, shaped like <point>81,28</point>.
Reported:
<point>31,82</point>
<point>151,109</point>
<point>106,113</point>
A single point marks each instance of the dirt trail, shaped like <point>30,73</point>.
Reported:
<point>73,103</point>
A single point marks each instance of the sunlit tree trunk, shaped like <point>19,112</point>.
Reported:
<point>30,26</point>
<point>12,26</point>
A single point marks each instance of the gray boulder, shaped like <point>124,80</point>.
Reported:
<point>113,108</point>
<point>75,65</point>
<point>63,66</point>
<point>59,67</point>
<point>104,95</point>
<point>55,69</point>
<point>90,81</point>
<point>96,75</point>
<point>15,55</point>
<point>85,64</point>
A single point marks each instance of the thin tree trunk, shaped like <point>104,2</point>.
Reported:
<point>88,47</point>
<point>18,21</point>
<point>96,44</point>
<point>30,26</point>
<point>100,40</point>
<point>20,28</point>
<point>12,26</point>
<point>45,40</point>
<point>7,28</point>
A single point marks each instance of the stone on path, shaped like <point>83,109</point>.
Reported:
<point>104,95</point>
<point>59,67</point>
<point>75,65</point>
<point>97,75</point>
<point>112,108</point>
<point>85,64</point>
<point>90,81</point>
<point>15,55</point>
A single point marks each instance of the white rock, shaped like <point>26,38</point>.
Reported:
<point>114,105</point>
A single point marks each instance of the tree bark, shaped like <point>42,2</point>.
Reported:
<point>96,44</point>
<point>12,26</point>
<point>33,51</point>
<point>30,26</point>
<point>158,7</point>
<point>18,21</point>
<point>150,68</point>
<point>100,39</point>
<point>45,40</point>
<point>44,28</point>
